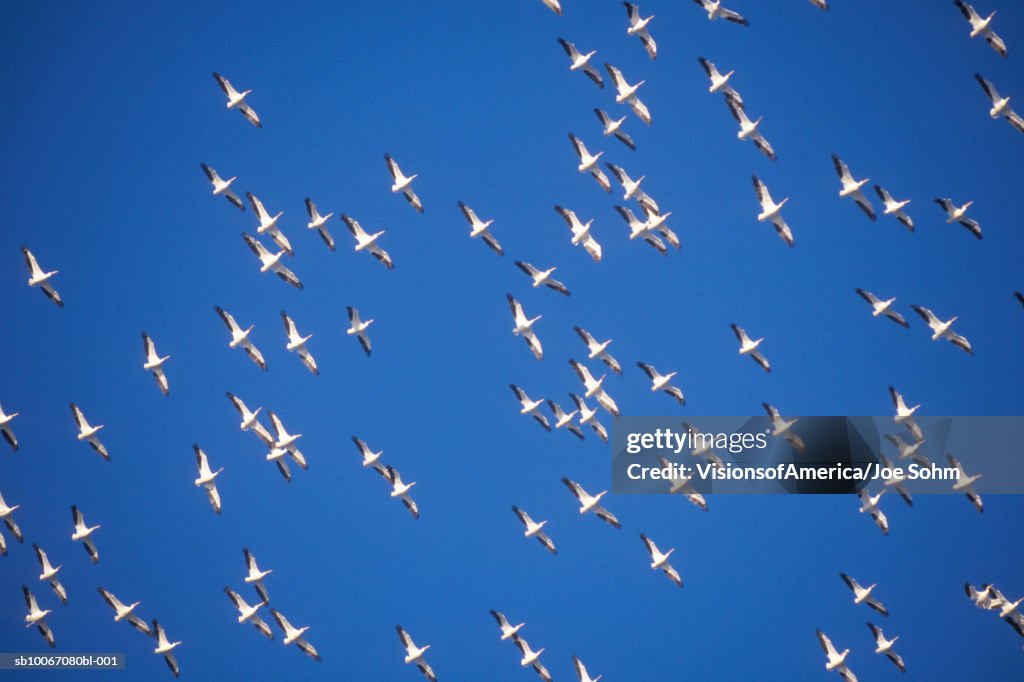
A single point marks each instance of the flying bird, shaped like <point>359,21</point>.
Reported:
<point>255,576</point>
<point>681,485</point>
<point>884,646</point>
<point>642,228</point>
<point>248,614</point>
<point>240,337</point>
<point>880,307</point>
<point>869,504</point>
<point>564,419</point>
<point>297,343</point>
<point>400,489</point>
<point>835,661</point>
<point>660,382</point>
<point>508,631</point>
<point>358,328</point>
<point>614,127</point>
<point>370,458</point>
<point>942,329</point>
<point>772,211</point>
<point>980,27</point>
<point>631,188</point>
<point>478,228</point>
<point>49,574</point>
<point>534,529</point>
<point>581,61</point>
<point>965,484</point>
<point>87,432</point>
<point>956,214</point>
<point>591,503</point>
<point>862,595</point>
<point>155,363</point>
<point>284,442</point>
<point>250,420</point>
<point>543,278</point>
<point>83,532</point>
<point>319,223</point>
<point>222,187</point>
<point>530,407</point>
<point>165,647</point>
<point>1000,105</point>
<point>581,233</point>
<point>627,93</point>
<point>403,184</point>
<point>524,327</point>
<point>638,27</point>
<point>659,560</point>
<point>581,670</point>
<point>984,598</point>
<point>716,11</point>
<point>656,223</point>
<point>207,478</point>
<point>749,129</point>
<point>851,187</point>
<point>553,5</point>
<point>595,388</point>
<point>414,654</point>
<point>904,414</point>
<point>720,82</point>
<point>749,347</point>
<point>39,278</point>
<point>236,100</point>
<point>589,416</point>
<point>589,163</point>
<point>124,611</point>
<point>896,482</point>
<point>272,261</point>
<point>6,513</point>
<point>7,431</point>
<point>293,635</point>
<point>820,4</point>
<point>782,427</point>
<point>365,241</point>
<point>908,450</point>
<point>531,658</point>
<point>37,616</point>
<point>892,207</point>
<point>268,223</point>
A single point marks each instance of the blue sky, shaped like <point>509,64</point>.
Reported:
<point>110,110</point>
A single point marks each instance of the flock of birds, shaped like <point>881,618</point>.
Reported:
<point>273,249</point>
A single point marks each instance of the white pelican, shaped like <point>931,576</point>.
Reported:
<point>884,646</point>
<point>942,329</point>
<point>155,363</point>
<point>38,277</point>
<point>702,444</point>
<point>478,228</point>
<point>749,347</point>
<point>247,614</point>
<point>6,430</point>
<point>543,278</point>
<point>594,388</point>
<point>400,489</point>
<point>358,328</point>
<point>297,343</point>
<point>638,27</point>
<point>581,670</point>
<point>908,450</point>
<point>553,5</point>
<point>83,532</point>
<point>719,81</point>
<point>534,529</point>
<point>980,26</point>
<point>87,432</point>
<point>869,504</point>
<point>319,223</point>
<point>965,484</point>
<point>631,188</point>
<point>255,576</point>
<point>272,261</point>
<point>524,327</point>
<point>659,560</point>
<point>37,616</point>
<point>531,658</point>
<point>581,61</point>
<point>240,337</point>
<point>904,414</point>
<point>591,503</point>
<point>1000,105</point>
<point>835,660</point>
<point>49,574</point>
<point>285,441</point>
<point>589,163</point>
<point>983,598</point>
<point>268,223</point>
<point>365,241</point>
<point>403,184</point>
<point>124,611</point>
<point>581,233</point>
<point>627,93</point>
<point>862,595</point>
<point>716,11</point>
<point>529,406</point>
<point>508,631</point>
<point>222,187</point>
<point>563,418</point>
<point>656,222</point>
<point>414,654</point>
<point>6,514</point>
<point>893,207</point>
<point>660,382</point>
<point>589,416</point>
<point>614,127</point>
<point>640,228</point>
<point>207,478</point>
<point>236,100</point>
<point>370,458</point>
<point>851,187</point>
<point>880,307</point>
<point>250,420</point>
<point>682,486</point>
<point>955,214</point>
<point>749,129</point>
<point>783,427</point>
<point>896,482</point>
<point>820,4</point>
<point>772,211</point>
<point>1007,609</point>
<point>294,635</point>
